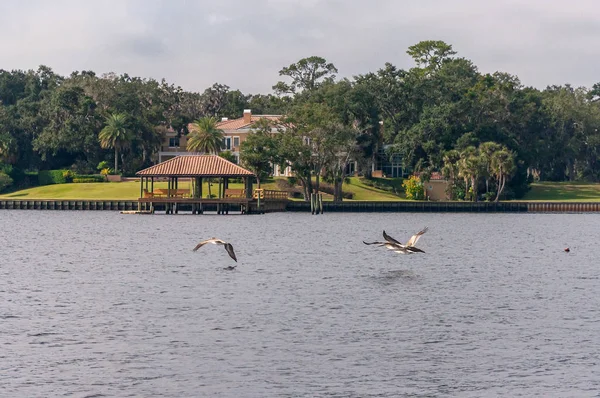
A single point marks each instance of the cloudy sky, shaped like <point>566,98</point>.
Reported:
<point>244,43</point>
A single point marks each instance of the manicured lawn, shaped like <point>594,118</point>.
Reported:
<point>99,190</point>
<point>131,191</point>
<point>544,191</point>
<point>365,192</point>
<point>564,192</point>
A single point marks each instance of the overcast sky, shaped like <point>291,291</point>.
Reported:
<point>244,43</point>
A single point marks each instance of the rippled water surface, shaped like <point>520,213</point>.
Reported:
<point>99,304</point>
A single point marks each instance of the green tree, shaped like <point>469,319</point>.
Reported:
<point>205,136</point>
<point>258,153</point>
<point>502,166</point>
<point>430,54</point>
<point>306,74</point>
<point>116,135</point>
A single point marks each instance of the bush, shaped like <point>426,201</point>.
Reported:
<point>68,175</point>
<point>414,188</point>
<point>5,181</point>
<point>48,177</point>
<point>80,180</point>
<point>88,178</point>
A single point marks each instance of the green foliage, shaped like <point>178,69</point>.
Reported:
<point>102,165</point>
<point>68,175</point>
<point>413,187</point>
<point>85,179</point>
<point>5,181</point>
<point>47,177</point>
<point>228,155</point>
<point>205,137</point>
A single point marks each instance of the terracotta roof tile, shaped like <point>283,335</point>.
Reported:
<point>195,165</point>
<point>236,124</point>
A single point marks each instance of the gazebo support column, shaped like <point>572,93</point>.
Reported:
<point>152,190</point>
<point>176,181</point>
<point>225,187</point>
<point>200,182</point>
<point>219,195</point>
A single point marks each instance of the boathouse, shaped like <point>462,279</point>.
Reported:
<point>185,176</point>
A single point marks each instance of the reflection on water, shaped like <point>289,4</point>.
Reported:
<point>103,304</point>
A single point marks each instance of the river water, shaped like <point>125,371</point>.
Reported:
<point>99,304</point>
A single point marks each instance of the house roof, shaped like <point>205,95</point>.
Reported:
<point>240,123</point>
<point>195,166</point>
<point>435,176</point>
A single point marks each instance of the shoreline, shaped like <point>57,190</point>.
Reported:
<point>346,207</point>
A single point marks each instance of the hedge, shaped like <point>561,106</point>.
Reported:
<point>48,177</point>
<point>83,179</point>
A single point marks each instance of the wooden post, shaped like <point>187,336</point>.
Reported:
<point>141,192</point>
<point>152,190</point>
<point>321,202</point>
<point>200,210</point>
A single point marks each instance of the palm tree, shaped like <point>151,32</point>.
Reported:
<point>116,135</point>
<point>471,166</point>
<point>502,165</point>
<point>205,136</point>
<point>487,150</point>
<point>451,169</point>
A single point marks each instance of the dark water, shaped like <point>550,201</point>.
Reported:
<point>109,305</point>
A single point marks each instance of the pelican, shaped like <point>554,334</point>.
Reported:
<point>216,241</point>
<point>396,246</point>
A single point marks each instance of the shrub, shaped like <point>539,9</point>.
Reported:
<point>103,165</point>
<point>48,177</point>
<point>413,187</point>
<point>5,181</point>
<point>84,179</point>
<point>68,175</point>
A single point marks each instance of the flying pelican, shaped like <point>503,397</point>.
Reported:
<point>396,246</point>
<point>216,241</point>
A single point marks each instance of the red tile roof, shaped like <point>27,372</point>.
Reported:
<point>236,124</point>
<point>435,176</point>
<point>195,166</point>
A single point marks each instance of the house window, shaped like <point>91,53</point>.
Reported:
<point>174,142</point>
<point>227,143</point>
<point>236,142</point>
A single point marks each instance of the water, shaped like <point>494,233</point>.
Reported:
<point>98,304</point>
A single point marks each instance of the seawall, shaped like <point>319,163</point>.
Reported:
<point>350,206</point>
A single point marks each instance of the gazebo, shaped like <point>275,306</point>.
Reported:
<point>195,169</point>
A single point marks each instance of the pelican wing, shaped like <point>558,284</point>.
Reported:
<point>375,243</point>
<point>199,245</point>
<point>390,239</point>
<point>413,239</point>
<point>229,249</point>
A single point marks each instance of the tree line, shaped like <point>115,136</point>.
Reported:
<point>486,132</point>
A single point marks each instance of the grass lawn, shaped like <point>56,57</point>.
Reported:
<point>97,190</point>
<point>365,192</point>
<point>563,192</point>
<point>131,191</point>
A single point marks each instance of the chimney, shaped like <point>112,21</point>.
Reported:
<point>224,119</point>
<point>247,116</point>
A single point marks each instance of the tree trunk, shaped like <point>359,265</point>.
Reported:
<point>208,180</point>
<point>501,183</point>
<point>116,160</point>
<point>317,182</point>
